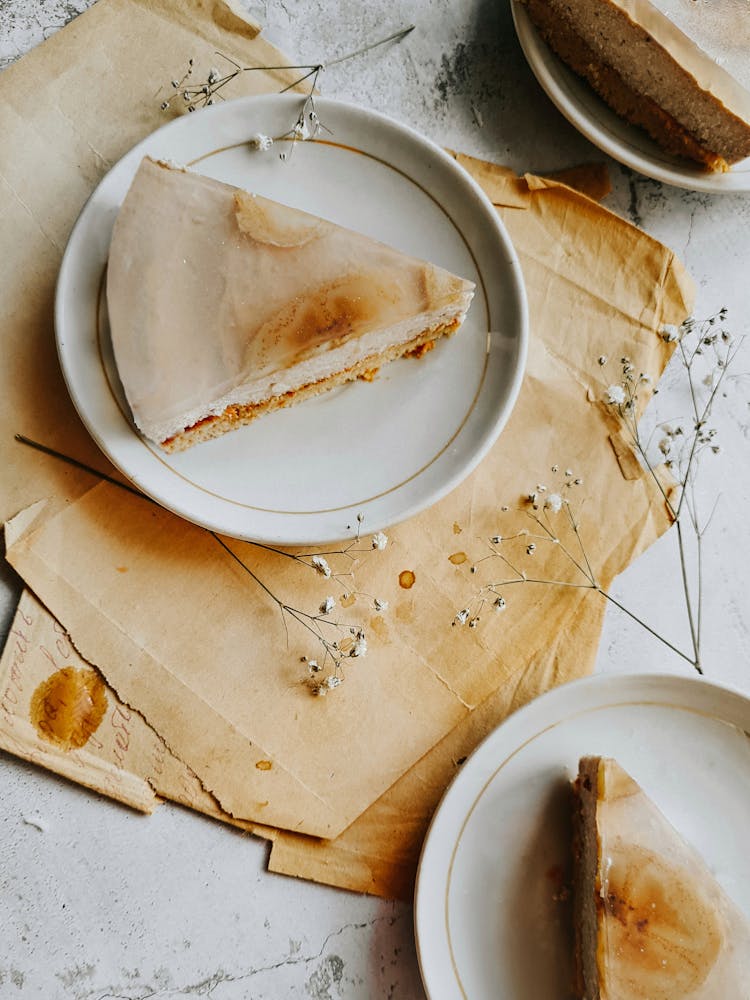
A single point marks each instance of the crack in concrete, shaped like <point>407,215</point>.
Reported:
<point>206,987</point>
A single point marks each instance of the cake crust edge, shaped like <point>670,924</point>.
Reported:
<point>238,415</point>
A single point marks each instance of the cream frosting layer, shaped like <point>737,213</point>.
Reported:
<point>668,931</point>
<point>708,38</point>
<point>217,296</point>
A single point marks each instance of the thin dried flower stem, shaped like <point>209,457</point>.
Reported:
<point>312,622</point>
<point>308,124</point>
<point>22,439</point>
<point>319,625</point>
<point>683,460</point>
<point>649,629</point>
<point>396,36</point>
<point>590,584</point>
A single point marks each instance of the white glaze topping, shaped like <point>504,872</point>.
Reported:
<point>709,38</point>
<point>668,930</point>
<point>720,27</point>
<point>217,296</point>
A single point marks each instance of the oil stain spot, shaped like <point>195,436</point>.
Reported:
<point>457,558</point>
<point>378,626</point>
<point>264,765</point>
<point>406,579</point>
<point>121,569</point>
<point>405,612</point>
<point>68,707</point>
<point>457,529</point>
<point>347,600</point>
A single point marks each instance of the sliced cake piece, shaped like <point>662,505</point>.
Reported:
<point>651,922</point>
<point>224,305</point>
<point>678,68</point>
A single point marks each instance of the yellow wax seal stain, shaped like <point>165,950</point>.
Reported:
<point>457,558</point>
<point>68,707</point>
<point>406,579</point>
<point>264,765</point>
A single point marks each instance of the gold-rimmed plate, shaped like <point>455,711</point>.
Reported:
<point>381,451</point>
<point>490,913</point>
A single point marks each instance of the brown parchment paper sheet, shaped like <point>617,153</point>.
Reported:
<point>68,111</point>
<point>180,631</point>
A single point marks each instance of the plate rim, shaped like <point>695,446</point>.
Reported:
<point>288,534</point>
<point>549,707</point>
<point>616,146</point>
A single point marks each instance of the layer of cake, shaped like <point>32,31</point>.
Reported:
<point>610,86</point>
<point>667,930</point>
<point>218,297</point>
<point>720,30</point>
<point>357,353</point>
<point>586,898</point>
<point>651,74</point>
<point>237,414</point>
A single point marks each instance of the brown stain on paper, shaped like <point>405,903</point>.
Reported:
<point>264,765</point>
<point>379,627</point>
<point>457,558</point>
<point>68,707</point>
<point>406,579</point>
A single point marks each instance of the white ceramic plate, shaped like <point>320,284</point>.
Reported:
<point>384,450</point>
<point>487,923</point>
<point>594,119</point>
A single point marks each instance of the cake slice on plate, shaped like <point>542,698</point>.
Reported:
<point>224,305</point>
<point>678,68</point>
<point>651,922</point>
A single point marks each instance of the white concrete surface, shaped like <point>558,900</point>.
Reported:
<point>104,904</point>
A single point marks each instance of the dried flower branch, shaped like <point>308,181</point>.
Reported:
<point>338,640</point>
<point>191,96</point>
<point>680,447</point>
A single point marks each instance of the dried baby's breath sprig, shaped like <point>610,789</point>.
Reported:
<point>189,95</point>
<point>555,528</point>
<point>707,351</point>
<point>338,640</point>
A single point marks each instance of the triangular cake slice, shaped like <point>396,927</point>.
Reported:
<point>680,69</point>
<point>224,305</point>
<point>651,922</point>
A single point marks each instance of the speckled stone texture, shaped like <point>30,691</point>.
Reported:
<point>102,903</point>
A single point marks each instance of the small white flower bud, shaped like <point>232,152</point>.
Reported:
<point>379,540</point>
<point>320,565</point>
<point>615,395</point>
